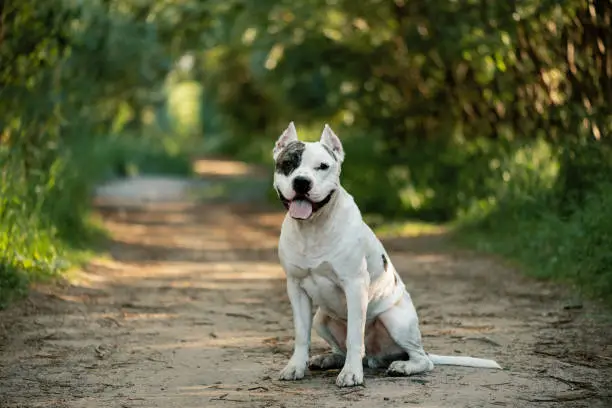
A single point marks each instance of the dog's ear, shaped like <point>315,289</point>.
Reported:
<point>329,139</point>
<point>288,136</point>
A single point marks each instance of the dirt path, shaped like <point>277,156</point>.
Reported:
<point>191,311</point>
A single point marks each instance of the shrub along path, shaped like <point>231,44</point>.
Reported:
<point>190,311</point>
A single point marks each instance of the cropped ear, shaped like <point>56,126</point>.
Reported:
<point>329,139</point>
<point>288,136</point>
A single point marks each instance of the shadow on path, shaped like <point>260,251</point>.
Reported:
<point>190,310</point>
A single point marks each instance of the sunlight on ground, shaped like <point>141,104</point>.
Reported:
<point>216,275</point>
<point>231,339</point>
<point>219,167</point>
<point>410,229</point>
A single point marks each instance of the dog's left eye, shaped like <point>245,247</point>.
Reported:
<point>323,166</point>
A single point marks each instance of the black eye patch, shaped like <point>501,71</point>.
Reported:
<point>322,166</point>
<point>290,158</point>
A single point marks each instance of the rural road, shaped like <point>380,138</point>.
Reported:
<point>189,310</point>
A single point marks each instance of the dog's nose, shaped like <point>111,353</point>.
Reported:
<point>302,185</point>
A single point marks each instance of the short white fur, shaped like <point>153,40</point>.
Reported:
<point>333,261</point>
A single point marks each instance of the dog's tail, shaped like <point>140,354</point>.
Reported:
<point>463,361</point>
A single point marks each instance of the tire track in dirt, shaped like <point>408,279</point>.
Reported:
<point>190,311</point>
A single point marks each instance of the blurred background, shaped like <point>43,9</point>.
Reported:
<point>491,117</point>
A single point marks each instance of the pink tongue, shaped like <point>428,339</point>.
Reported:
<point>301,209</point>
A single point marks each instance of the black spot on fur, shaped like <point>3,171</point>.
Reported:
<point>385,262</point>
<point>330,151</point>
<point>290,158</point>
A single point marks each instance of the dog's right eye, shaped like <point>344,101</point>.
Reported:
<point>323,166</point>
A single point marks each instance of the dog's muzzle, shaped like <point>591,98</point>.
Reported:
<point>301,207</point>
<point>302,185</point>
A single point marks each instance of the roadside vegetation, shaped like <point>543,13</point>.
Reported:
<point>492,117</point>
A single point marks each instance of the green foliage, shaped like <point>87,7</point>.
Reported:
<point>493,113</point>
<point>442,90</point>
<point>552,235</point>
<point>71,75</point>
<point>43,222</point>
<point>589,256</point>
<point>576,249</point>
<point>448,109</point>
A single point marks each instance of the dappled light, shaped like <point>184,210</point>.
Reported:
<point>139,224</point>
<point>189,307</point>
<point>486,115</point>
<point>220,168</point>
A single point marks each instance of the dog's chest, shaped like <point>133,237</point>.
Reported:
<point>322,286</point>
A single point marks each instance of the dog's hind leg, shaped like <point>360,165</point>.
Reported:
<point>402,323</point>
<point>334,333</point>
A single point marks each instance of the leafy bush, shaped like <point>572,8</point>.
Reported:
<point>493,112</point>
<point>80,91</point>
<point>550,235</point>
<point>588,259</point>
<point>43,221</point>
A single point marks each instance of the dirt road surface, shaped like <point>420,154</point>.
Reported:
<point>190,310</point>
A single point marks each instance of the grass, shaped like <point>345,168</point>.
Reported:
<point>46,220</point>
<point>511,208</point>
<point>412,228</point>
<point>526,221</point>
<point>574,249</point>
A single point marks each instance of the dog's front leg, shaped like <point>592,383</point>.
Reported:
<point>302,321</point>
<point>356,292</point>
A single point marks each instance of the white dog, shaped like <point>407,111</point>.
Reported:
<point>333,260</point>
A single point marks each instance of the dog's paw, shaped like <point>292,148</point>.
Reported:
<point>404,368</point>
<point>326,362</point>
<point>349,377</point>
<point>292,372</point>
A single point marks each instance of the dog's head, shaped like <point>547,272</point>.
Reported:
<point>307,173</point>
